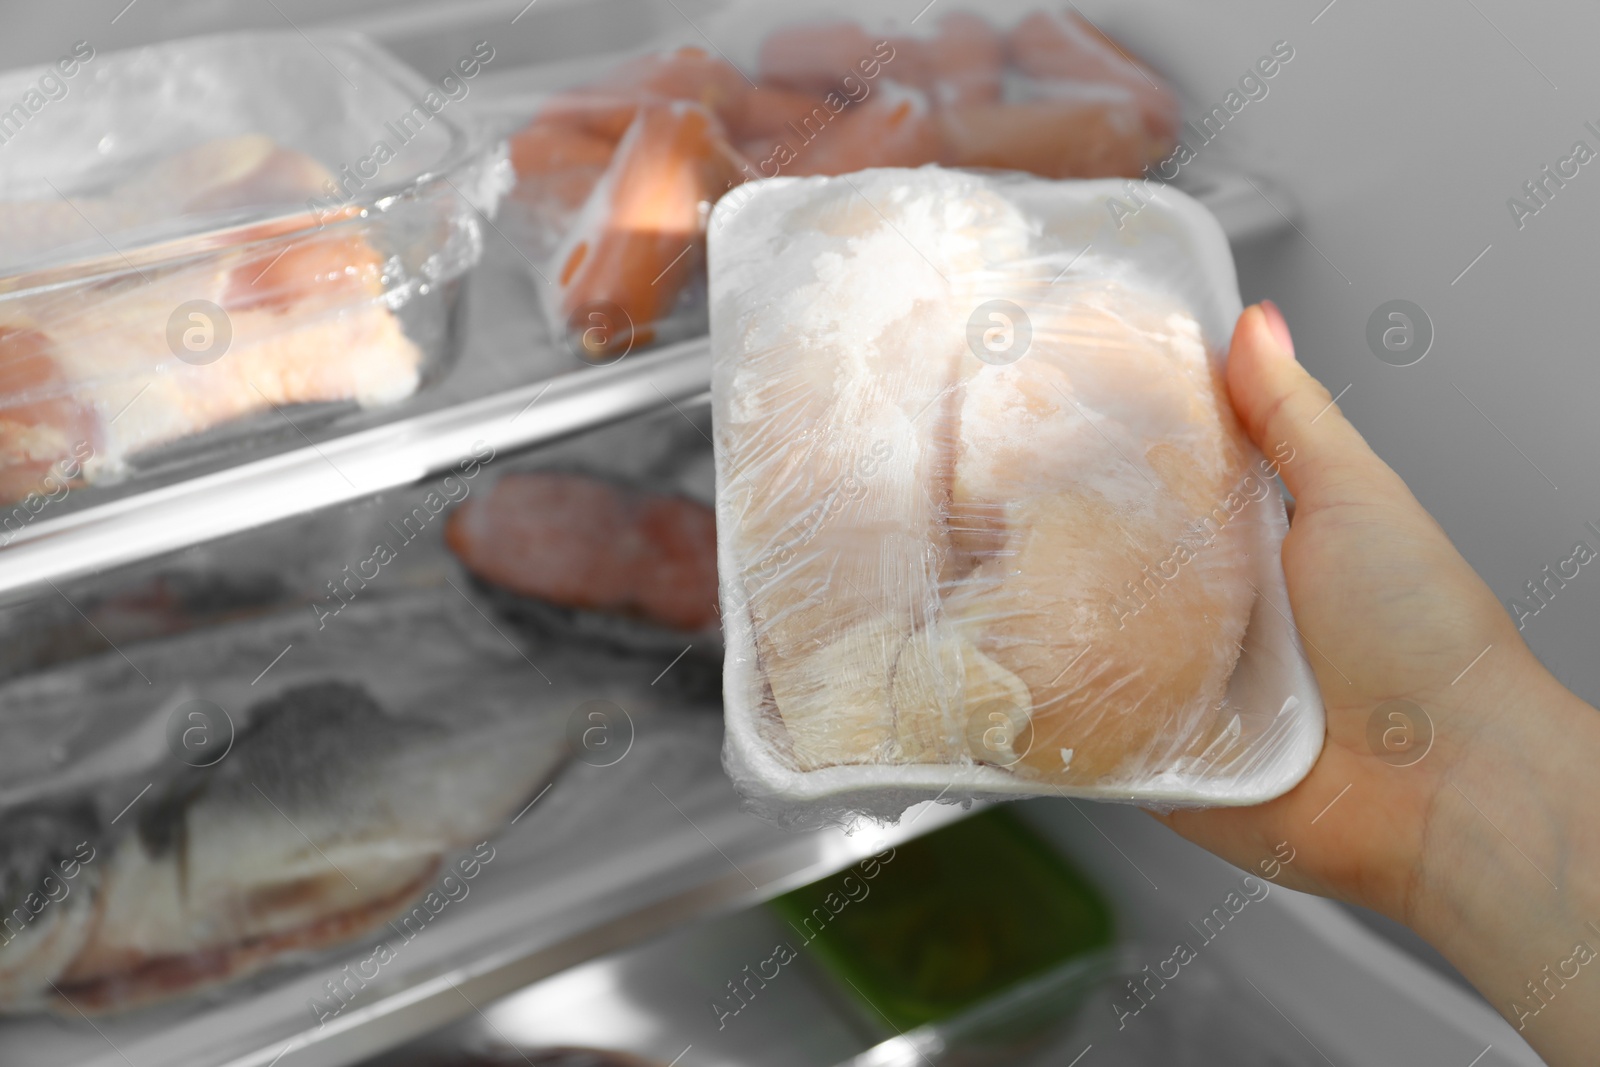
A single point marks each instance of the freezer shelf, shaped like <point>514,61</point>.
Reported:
<point>1289,981</point>
<point>515,389</point>
<point>627,841</point>
<point>510,392</point>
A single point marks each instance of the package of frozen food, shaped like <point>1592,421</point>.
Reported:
<point>290,232</point>
<point>986,523</point>
<point>616,176</point>
<point>1030,87</point>
<point>582,555</point>
<point>186,812</point>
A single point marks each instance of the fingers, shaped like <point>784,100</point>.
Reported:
<point>1290,416</point>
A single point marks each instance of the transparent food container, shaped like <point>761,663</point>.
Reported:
<point>224,765</point>
<point>618,170</point>
<point>210,243</point>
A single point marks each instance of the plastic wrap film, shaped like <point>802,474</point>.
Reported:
<point>390,742</point>
<point>290,233</point>
<point>616,176</point>
<point>242,758</point>
<point>986,523</point>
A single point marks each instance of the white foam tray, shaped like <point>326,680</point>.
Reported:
<point>1280,711</point>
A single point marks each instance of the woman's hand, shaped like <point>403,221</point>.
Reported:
<point>1487,844</point>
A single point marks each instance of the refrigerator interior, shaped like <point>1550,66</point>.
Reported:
<point>1281,984</point>
<point>637,828</point>
<point>633,851</point>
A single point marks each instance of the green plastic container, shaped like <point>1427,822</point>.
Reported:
<point>952,922</point>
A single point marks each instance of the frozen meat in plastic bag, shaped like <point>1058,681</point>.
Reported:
<point>284,817</point>
<point>616,176</point>
<point>986,522</point>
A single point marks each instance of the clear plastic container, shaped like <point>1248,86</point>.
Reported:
<point>200,240</point>
<point>230,763</point>
<point>617,171</point>
<point>987,524</point>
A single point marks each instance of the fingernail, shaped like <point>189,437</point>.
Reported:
<point>1278,326</point>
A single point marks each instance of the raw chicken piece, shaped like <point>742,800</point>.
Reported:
<point>836,460</point>
<point>1080,468</point>
<point>981,589</point>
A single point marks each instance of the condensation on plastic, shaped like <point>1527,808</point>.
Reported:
<point>617,174</point>
<point>987,526</point>
<point>203,230</point>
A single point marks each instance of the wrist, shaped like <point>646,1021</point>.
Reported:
<point>1507,882</point>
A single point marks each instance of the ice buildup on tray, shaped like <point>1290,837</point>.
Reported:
<point>986,521</point>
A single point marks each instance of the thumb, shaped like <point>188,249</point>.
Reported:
<point>1323,460</point>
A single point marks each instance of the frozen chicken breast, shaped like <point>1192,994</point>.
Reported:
<point>976,488</point>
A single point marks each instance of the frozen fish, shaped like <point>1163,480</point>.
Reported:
<point>615,184</point>
<point>641,235</point>
<point>1065,138</point>
<point>814,57</point>
<point>933,553</point>
<point>39,633</point>
<point>328,817</point>
<point>1067,52</point>
<point>404,732</point>
<point>96,377</point>
<point>563,151</point>
<point>896,127</point>
<point>579,544</point>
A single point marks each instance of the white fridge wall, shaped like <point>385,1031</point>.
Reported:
<point>1357,999</point>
